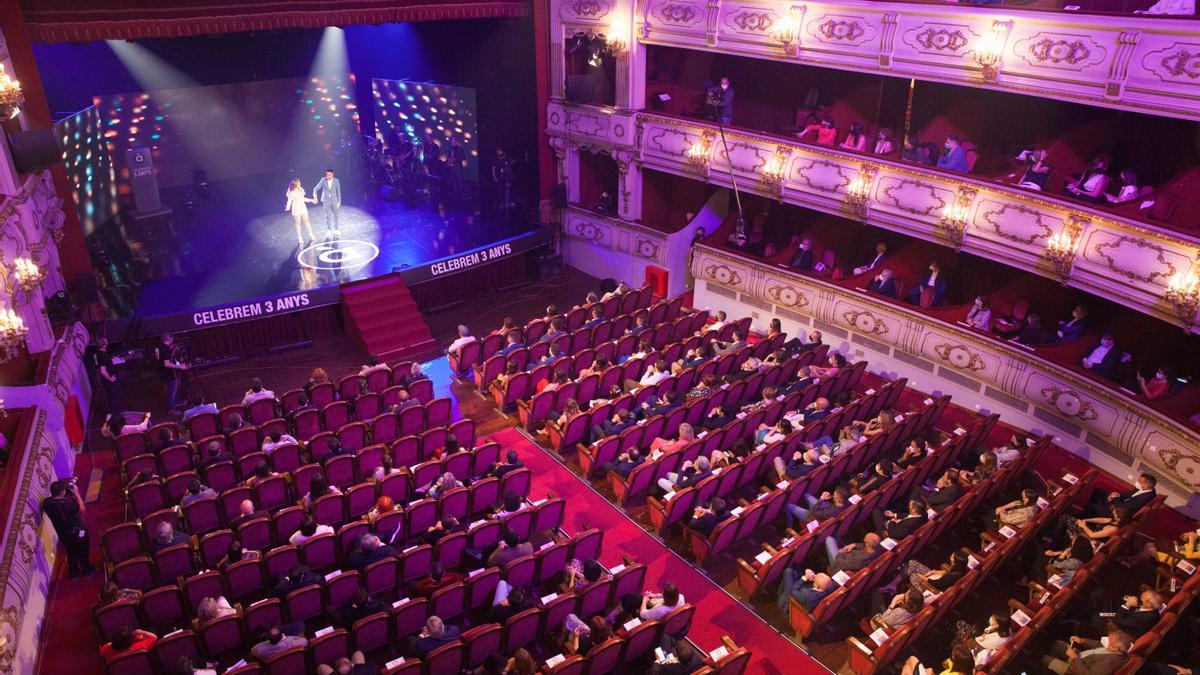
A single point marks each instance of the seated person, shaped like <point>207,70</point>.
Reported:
<point>955,158</point>
<point>360,606</point>
<point>276,642</point>
<point>1081,655</point>
<point>579,637</point>
<point>690,473</point>
<point>166,535</point>
<point>933,283</point>
<point>705,518</point>
<point>276,439</point>
<point>1157,386</point>
<point>1017,513</point>
<point>920,153</point>
<point>655,606</point>
<point>803,259</point>
<point>1103,358</point>
<point>125,640</point>
<point>625,462</point>
<point>1037,171</point>
<point>512,342</point>
<point>901,610</point>
<point>825,133</point>
<point>510,548</point>
<point>856,140</point>
<point>885,142</point>
<point>828,505</point>
<point>980,314</point>
<point>1090,184</point>
<point>883,284</point>
<point>1128,190</point>
<point>434,635</point>
<point>683,659</point>
<point>257,392</point>
<point>308,529</point>
<point>853,557</point>
<point>196,490</point>
<point>369,550</point>
<point>802,462</point>
<point>1074,327</point>
<point>809,588</point>
<point>994,636</point>
<point>507,602</point>
<point>439,577</point>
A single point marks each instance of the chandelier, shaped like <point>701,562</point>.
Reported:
<point>858,192</point>
<point>1183,292</point>
<point>12,334</point>
<point>11,97</point>
<point>29,275</point>
<point>773,174</point>
<point>1060,253</point>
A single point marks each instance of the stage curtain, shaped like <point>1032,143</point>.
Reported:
<point>87,20</point>
<point>248,337</point>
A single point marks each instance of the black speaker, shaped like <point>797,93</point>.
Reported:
<point>34,150</point>
<point>558,196</point>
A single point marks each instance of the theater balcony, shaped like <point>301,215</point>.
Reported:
<point>1134,62</point>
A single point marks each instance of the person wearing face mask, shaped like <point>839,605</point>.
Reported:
<point>955,158</point>
<point>980,314</point>
<point>720,99</point>
<point>1090,185</point>
<point>929,292</point>
<point>885,143</point>
<point>803,260</point>
<point>1103,358</point>
<point>1157,386</point>
<point>883,284</point>
<point>826,132</point>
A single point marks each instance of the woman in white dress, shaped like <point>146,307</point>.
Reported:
<point>299,210</point>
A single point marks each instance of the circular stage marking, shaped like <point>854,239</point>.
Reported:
<point>338,255</point>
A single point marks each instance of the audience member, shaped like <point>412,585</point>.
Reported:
<point>803,258</point>
<point>309,528</point>
<point>929,292</point>
<point>125,640</point>
<point>856,140</point>
<point>276,642</point>
<point>1157,386</point>
<point>276,439</point>
<point>511,547</point>
<point>885,142</point>
<point>196,490</point>
<point>883,284</point>
<point>257,392</point>
<point>1094,657</point>
<point>955,158</point>
<point>370,549</point>
<point>980,314</point>
<point>825,133</point>
<point>434,635</point>
<point>808,588</point>
<point>1037,171</point>
<point>166,535</point>
<point>1090,184</point>
<point>196,401</point>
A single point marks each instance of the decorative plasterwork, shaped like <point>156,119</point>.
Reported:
<point>1186,466</point>
<point>647,248</point>
<point>787,295</point>
<point>940,39</point>
<point>865,321</point>
<point>1069,403</point>
<point>586,9</point>
<point>823,175</point>
<point>723,274</point>
<point>1065,51</point>
<point>913,195</point>
<point>841,29</point>
<point>1179,63</point>
<point>751,20</point>
<point>1105,250</point>
<point>1016,222</point>
<point>959,356</point>
<point>677,13</point>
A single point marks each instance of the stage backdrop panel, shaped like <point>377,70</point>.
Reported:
<point>231,130</point>
<point>93,176</point>
<point>414,109</point>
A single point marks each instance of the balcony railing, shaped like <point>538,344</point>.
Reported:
<point>1138,63</point>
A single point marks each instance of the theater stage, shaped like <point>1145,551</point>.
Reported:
<point>234,254</point>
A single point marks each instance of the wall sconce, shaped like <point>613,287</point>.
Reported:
<point>29,276</point>
<point>615,44</point>
<point>11,97</point>
<point>787,31</point>
<point>953,225</point>
<point>1060,253</point>
<point>12,335</point>
<point>858,192</point>
<point>1183,292</point>
<point>697,153</point>
<point>773,174</point>
<point>989,52</point>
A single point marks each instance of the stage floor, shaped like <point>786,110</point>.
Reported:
<point>239,245</point>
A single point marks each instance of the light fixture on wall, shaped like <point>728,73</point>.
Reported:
<point>697,153</point>
<point>955,216</point>
<point>12,334</point>
<point>11,97</point>
<point>1061,252</point>
<point>1183,292</point>
<point>988,53</point>
<point>773,173</point>
<point>858,192</point>
<point>787,31</point>
<point>29,276</point>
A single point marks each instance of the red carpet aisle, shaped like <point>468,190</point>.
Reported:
<point>717,613</point>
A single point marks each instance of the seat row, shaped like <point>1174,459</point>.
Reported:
<point>206,515</point>
<point>1188,583</point>
<point>308,426</point>
<point>615,308</point>
<point>876,652</point>
<point>410,456</point>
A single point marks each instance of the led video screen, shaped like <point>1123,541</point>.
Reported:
<point>89,167</point>
<point>231,130</point>
<point>412,110</point>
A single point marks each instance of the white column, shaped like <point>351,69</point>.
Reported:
<point>629,186</point>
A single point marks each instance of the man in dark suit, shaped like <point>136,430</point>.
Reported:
<point>1100,504</point>
<point>360,606</point>
<point>215,452</point>
<point>883,284</point>
<point>246,511</point>
<point>511,547</point>
<point>946,490</point>
<point>370,549</point>
<point>511,463</point>
<point>881,250</point>
<point>935,284</point>
<point>803,260</point>
<point>686,662</point>
<point>1074,327</point>
<point>721,97</point>
<point>514,343</point>
<point>706,518</point>
<point>1103,358</point>
<point>298,577</point>
<point>1136,615</point>
<point>900,525</point>
<point>735,343</point>
<point>808,588</point>
<point>433,636</point>
<point>438,578</point>
<point>622,420</point>
<point>625,463</point>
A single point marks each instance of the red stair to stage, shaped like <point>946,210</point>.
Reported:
<point>382,318</point>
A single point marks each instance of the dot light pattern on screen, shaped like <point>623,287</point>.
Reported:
<point>417,108</point>
<point>89,167</point>
<point>330,105</point>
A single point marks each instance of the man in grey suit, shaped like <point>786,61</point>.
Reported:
<point>329,193</point>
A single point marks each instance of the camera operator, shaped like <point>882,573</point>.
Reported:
<point>65,509</point>
<point>720,101</point>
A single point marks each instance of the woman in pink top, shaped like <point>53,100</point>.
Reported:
<point>662,446</point>
<point>826,131</point>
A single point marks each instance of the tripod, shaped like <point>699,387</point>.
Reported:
<point>713,102</point>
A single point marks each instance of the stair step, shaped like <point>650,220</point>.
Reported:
<point>382,318</point>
